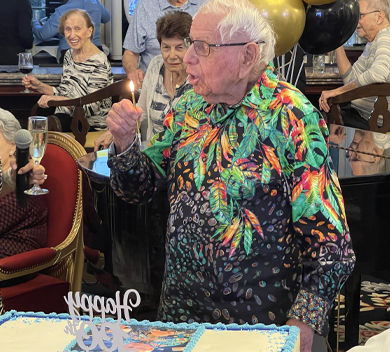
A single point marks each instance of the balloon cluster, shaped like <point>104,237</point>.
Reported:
<point>319,26</point>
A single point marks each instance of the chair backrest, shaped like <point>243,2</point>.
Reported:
<point>115,91</point>
<point>64,185</point>
<point>381,107</point>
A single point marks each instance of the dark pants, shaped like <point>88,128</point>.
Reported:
<point>64,51</point>
<point>352,118</point>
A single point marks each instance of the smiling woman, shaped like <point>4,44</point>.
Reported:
<point>86,70</point>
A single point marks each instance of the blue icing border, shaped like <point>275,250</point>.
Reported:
<point>293,331</point>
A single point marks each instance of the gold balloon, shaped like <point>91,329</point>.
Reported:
<point>318,2</point>
<point>287,18</point>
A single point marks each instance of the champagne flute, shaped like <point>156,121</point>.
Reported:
<point>25,66</point>
<point>37,125</point>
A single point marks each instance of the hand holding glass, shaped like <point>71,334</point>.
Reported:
<point>25,66</point>
<point>37,125</point>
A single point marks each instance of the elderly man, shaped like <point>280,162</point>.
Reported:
<point>257,229</point>
<point>141,44</point>
<point>373,66</point>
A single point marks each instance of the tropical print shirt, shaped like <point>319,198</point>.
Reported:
<point>257,229</point>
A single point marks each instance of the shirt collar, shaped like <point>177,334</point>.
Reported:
<point>165,4</point>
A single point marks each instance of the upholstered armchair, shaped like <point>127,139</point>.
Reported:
<point>37,280</point>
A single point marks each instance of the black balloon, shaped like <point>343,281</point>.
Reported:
<point>329,26</point>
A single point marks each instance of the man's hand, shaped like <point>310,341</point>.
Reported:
<point>306,334</point>
<point>137,77</point>
<point>130,63</point>
<point>122,123</point>
<point>325,95</point>
<point>104,140</point>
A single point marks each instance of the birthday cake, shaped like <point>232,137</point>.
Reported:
<point>51,332</point>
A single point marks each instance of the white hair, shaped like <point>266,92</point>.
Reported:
<point>242,17</point>
<point>9,125</point>
<point>380,5</point>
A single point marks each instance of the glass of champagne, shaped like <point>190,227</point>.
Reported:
<point>25,66</point>
<point>37,125</point>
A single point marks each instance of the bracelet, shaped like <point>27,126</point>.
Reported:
<point>7,177</point>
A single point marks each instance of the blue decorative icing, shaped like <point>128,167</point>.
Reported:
<point>291,339</point>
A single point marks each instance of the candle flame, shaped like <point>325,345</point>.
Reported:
<point>132,86</point>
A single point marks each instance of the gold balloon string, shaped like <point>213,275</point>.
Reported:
<point>280,67</point>
<point>291,66</point>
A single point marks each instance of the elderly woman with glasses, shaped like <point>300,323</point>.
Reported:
<point>257,229</point>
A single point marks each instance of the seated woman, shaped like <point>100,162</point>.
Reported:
<point>166,79</point>
<point>99,14</point>
<point>86,69</point>
<point>21,229</point>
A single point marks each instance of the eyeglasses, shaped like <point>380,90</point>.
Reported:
<point>358,155</point>
<point>367,13</point>
<point>203,48</point>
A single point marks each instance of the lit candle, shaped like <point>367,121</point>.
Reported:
<point>133,98</point>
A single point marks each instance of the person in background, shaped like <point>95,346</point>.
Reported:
<point>373,66</point>
<point>21,228</point>
<point>86,69</point>
<point>166,79</point>
<point>257,230</point>
<point>98,13</point>
<point>141,43</point>
<point>15,30</point>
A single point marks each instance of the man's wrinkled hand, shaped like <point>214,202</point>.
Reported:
<point>122,123</point>
<point>137,77</point>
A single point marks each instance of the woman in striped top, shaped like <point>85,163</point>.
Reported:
<point>166,79</point>
<point>86,69</point>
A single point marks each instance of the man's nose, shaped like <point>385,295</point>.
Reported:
<point>189,57</point>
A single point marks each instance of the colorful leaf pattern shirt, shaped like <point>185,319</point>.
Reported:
<point>257,229</point>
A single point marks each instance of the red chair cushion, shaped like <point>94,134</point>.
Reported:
<point>27,260</point>
<point>62,183</point>
<point>43,293</point>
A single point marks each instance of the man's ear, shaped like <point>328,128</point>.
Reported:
<point>381,17</point>
<point>249,57</point>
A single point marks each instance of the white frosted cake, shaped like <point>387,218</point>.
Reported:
<point>46,333</point>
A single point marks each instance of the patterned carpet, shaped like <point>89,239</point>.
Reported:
<point>374,310</point>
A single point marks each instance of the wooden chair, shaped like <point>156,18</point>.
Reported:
<point>115,91</point>
<point>380,90</point>
<point>37,280</point>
